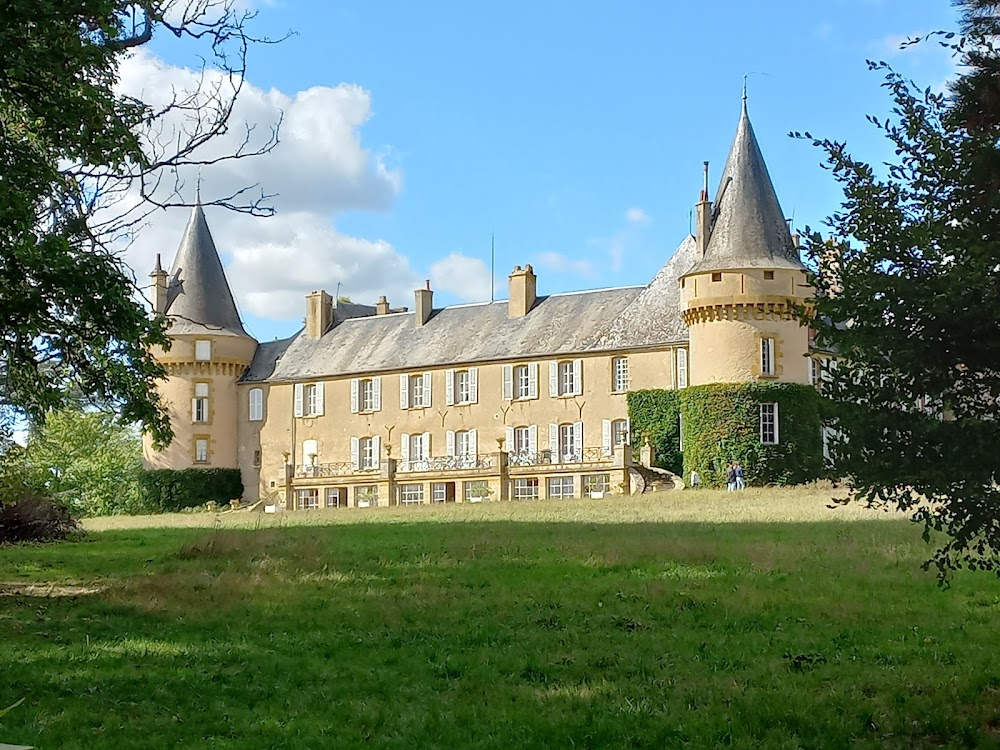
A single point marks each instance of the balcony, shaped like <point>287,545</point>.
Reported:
<point>548,458</point>
<point>337,469</point>
<point>485,462</point>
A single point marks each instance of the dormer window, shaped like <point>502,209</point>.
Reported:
<point>203,350</point>
<point>716,277</point>
<point>768,275</point>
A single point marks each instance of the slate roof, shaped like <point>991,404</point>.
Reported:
<point>198,296</point>
<point>748,229</point>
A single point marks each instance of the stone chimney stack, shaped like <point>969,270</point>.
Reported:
<point>424,303</point>
<point>159,277</point>
<point>703,220</point>
<point>523,291</point>
<point>319,313</point>
<point>382,306</point>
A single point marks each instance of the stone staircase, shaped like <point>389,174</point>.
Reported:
<point>651,479</point>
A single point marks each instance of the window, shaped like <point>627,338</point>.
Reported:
<point>619,374</point>
<point>308,499</point>
<point>461,386</point>
<point>768,275</point>
<point>439,492</point>
<point>415,391</point>
<point>203,350</point>
<point>814,371</point>
<point>366,395</point>
<point>199,404</point>
<point>769,424</point>
<point>716,276</point>
<point>596,485</point>
<point>256,404</point>
<point>418,448</point>
<point>310,453</point>
<point>569,442</point>
<point>520,381</point>
<point>411,494</point>
<point>369,454</point>
<point>682,368</point>
<point>522,442</point>
<point>366,496</point>
<point>464,444</point>
<point>619,433</point>
<point>256,459</point>
<point>308,399</point>
<point>336,497</point>
<point>566,378</point>
<point>525,489</point>
<point>201,450</point>
<point>415,450</point>
<point>767,356</point>
<point>476,491</point>
<point>560,487</point>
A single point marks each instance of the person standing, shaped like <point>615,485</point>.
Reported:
<point>731,478</point>
<point>740,483</point>
<point>695,479</point>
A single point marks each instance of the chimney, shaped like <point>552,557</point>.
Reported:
<point>523,284</point>
<point>319,313</point>
<point>159,277</point>
<point>382,306</point>
<point>703,225</point>
<point>424,303</point>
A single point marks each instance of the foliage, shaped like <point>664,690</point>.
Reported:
<point>30,515</point>
<point>170,490</point>
<point>913,305</point>
<point>580,633</point>
<point>654,416</point>
<point>72,149</point>
<point>721,423</point>
<point>88,461</point>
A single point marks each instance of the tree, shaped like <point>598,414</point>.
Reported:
<point>908,294</point>
<point>83,166</point>
<point>87,462</point>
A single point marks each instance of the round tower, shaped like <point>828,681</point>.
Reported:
<point>738,299</point>
<point>209,353</point>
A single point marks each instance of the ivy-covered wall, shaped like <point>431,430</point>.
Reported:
<point>654,414</point>
<point>169,490</point>
<point>721,423</point>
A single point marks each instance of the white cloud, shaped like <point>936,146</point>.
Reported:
<point>563,264</point>
<point>637,216</point>
<point>465,277</point>
<point>319,169</point>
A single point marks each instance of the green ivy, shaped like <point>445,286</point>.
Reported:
<point>169,490</point>
<point>653,415</point>
<point>721,423</point>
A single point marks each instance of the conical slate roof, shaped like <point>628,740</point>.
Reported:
<point>748,229</point>
<point>198,296</point>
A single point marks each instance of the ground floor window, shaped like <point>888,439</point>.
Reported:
<point>525,489</point>
<point>336,497</point>
<point>560,487</point>
<point>596,485</point>
<point>476,491</point>
<point>769,424</point>
<point>308,499</point>
<point>366,496</point>
<point>439,492</point>
<point>411,494</point>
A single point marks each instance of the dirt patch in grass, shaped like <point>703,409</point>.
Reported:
<point>48,590</point>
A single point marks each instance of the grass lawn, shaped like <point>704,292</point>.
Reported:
<point>688,620</point>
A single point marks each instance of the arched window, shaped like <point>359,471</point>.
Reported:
<point>256,404</point>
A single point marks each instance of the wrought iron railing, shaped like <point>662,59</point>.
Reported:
<point>556,458</point>
<point>336,469</point>
<point>448,463</point>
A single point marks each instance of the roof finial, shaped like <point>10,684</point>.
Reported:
<point>745,75</point>
<point>198,189</point>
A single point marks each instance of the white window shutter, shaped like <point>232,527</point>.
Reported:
<point>508,382</point>
<point>319,399</point>
<point>553,379</point>
<point>510,440</point>
<point>404,391</point>
<point>426,444</point>
<point>533,439</point>
<point>194,410</point>
<point>474,385</point>
<point>298,399</point>
<point>628,431</point>
<point>578,440</point>
<point>449,388</point>
<point>606,436</point>
<point>355,453</point>
<point>532,380</point>
<point>377,448</point>
<point>404,447</point>
<point>355,384</point>
<point>554,439</point>
<point>377,393</point>
<point>578,376</point>
<point>449,437</point>
<point>427,389</point>
<point>473,443</point>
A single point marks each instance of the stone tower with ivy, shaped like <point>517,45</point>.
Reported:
<point>209,352</point>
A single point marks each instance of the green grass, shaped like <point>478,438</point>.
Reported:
<point>576,624</point>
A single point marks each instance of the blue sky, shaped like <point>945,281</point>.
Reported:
<point>574,132</point>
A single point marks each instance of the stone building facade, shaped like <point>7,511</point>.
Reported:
<point>515,399</point>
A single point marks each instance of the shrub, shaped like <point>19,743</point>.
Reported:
<point>34,517</point>
<point>169,490</point>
